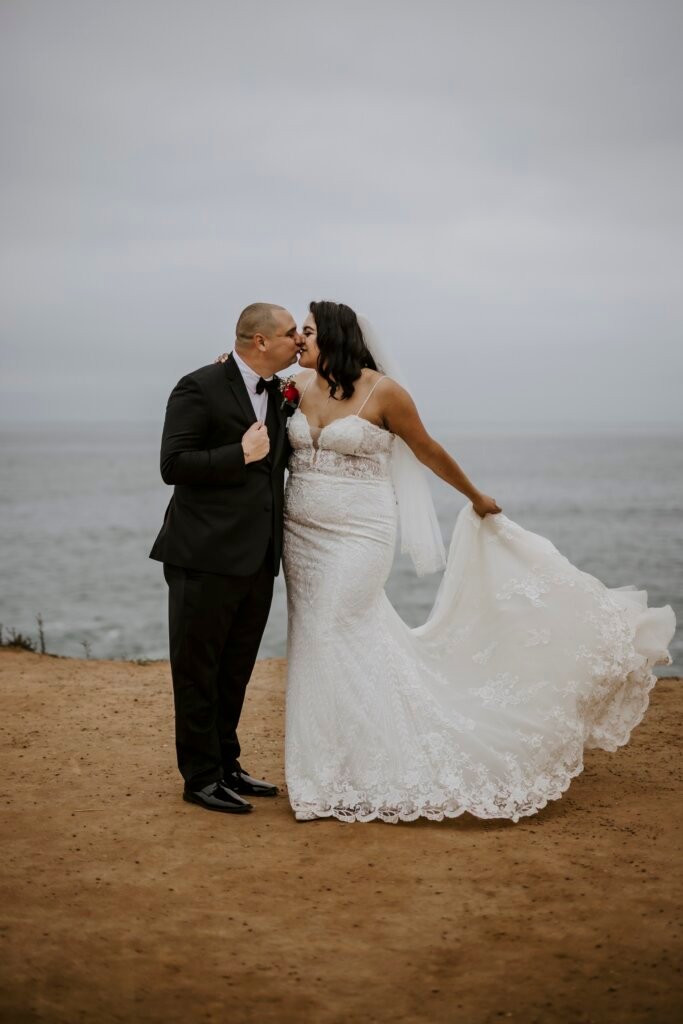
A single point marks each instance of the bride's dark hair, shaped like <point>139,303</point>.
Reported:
<point>343,352</point>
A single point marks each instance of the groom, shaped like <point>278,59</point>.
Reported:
<point>224,447</point>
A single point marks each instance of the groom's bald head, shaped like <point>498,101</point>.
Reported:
<point>266,338</point>
<point>258,318</point>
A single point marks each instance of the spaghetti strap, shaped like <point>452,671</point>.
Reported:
<point>369,394</point>
<point>301,398</point>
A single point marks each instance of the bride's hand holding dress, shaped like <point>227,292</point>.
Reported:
<point>484,506</point>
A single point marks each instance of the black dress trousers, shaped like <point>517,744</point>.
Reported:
<point>220,543</point>
<point>215,627</point>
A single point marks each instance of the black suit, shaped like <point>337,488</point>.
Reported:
<point>220,543</point>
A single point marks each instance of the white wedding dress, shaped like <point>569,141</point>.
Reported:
<point>524,662</point>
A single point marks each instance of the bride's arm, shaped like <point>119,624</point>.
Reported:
<point>401,417</point>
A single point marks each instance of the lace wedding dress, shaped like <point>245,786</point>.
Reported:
<point>524,662</point>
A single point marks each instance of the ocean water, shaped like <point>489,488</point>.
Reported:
<point>82,504</point>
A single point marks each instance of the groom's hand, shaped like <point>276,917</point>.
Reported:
<point>256,443</point>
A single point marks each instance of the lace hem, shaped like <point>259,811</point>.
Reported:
<point>511,805</point>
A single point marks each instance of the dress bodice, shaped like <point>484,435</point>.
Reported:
<point>350,446</point>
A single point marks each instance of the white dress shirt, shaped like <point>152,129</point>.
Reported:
<point>251,379</point>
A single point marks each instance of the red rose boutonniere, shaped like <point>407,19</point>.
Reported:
<point>290,395</point>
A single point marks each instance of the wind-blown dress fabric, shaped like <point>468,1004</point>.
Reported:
<point>524,663</point>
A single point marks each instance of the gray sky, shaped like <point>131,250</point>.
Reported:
<point>496,184</point>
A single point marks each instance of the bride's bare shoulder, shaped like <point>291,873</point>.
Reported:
<point>391,396</point>
<point>369,376</point>
<point>390,386</point>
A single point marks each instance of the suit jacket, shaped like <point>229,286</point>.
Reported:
<point>223,513</point>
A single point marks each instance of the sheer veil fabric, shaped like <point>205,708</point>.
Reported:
<point>524,662</point>
<point>420,532</point>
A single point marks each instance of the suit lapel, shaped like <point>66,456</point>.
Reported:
<point>275,416</point>
<point>280,419</point>
<point>239,390</point>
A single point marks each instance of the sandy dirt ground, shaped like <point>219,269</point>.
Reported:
<point>120,902</point>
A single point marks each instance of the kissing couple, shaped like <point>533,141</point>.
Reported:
<point>524,661</point>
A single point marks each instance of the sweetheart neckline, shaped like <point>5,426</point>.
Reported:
<point>351,416</point>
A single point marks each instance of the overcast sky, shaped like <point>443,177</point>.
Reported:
<point>496,184</point>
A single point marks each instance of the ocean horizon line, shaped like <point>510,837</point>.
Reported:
<point>440,422</point>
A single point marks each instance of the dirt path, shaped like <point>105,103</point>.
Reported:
<point>122,903</point>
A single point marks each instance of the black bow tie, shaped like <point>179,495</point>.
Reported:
<point>272,386</point>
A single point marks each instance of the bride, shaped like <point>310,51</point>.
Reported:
<point>524,662</point>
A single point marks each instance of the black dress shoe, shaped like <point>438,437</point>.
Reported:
<point>240,782</point>
<point>217,797</point>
